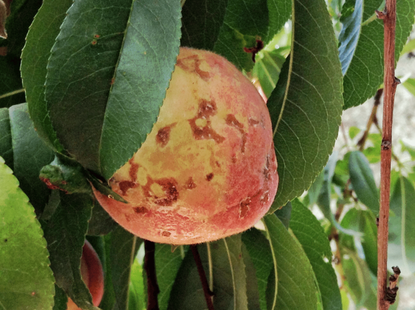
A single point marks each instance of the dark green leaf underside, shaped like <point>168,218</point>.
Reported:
<point>201,23</point>
<point>65,234</point>
<point>30,154</point>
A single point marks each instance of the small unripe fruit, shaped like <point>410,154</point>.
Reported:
<point>92,274</point>
<point>208,168</point>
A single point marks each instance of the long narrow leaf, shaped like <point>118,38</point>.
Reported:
<point>307,102</point>
<point>296,286</point>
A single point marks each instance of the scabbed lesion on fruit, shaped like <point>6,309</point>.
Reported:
<point>208,168</point>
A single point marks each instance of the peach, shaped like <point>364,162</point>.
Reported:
<point>208,168</point>
<point>92,275</point>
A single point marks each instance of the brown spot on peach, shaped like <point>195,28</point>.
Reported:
<point>233,122</point>
<point>265,197</point>
<point>126,185</point>
<point>203,74</point>
<point>205,111</point>
<point>133,169</point>
<point>190,184</point>
<point>140,210</point>
<point>166,233</point>
<point>244,207</point>
<point>169,186</point>
<point>163,135</point>
<point>217,164</point>
<point>192,64</point>
<point>266,171</point>
<point>252,122</point>
<point>206,108</point>
<point>233,159</point>
<point>209,176</point>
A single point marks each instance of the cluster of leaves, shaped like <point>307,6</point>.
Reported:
<point>347,195</point>
<point>78,66</point>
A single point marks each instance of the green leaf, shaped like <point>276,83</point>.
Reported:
<point>65,234</point>
<point>240,29</point>
<point>65,174</point>
<point>324,198</point>
<point>305,106</point>
<point>369,242</point>
<point>349,36</point>
<point>408,47</point>
<point>151,44</point>
<point>296,286</point>
<point>40,40</point>
<point>316,245</point>
<point>136,297</point>
<point>252,292</point>
<point>21,16</point>
<point>6,149</point>
<point>364,222</point>
<point>60,299</point>
<point>201,22</point>
<point>260,253</point>
<point>363,182</point>
<point>409,84</point>
<point>101,222</point>
<point>118,52</point>
<point>354,131</point>
<point>365,72</point>
<point>284,214</point>
<point>410,149</point>
<point>26,281</point>
<point>122,250</point>
<point>372,154</point>
<point>279,12</point>
<point>315,189</point>
<point>228,274</point>
<point>187,291</point>
<point>229,278</point>
<point>359,281</point>
<point>30,154</point>
<point>11,89</point>
<point>401,232</point>
<point>267,69</point>
<point>167,266</point>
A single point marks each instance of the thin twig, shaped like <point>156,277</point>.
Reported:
<point>390,83</point>
<point>372,119</point>
<point>208,293</point>
<point>150,268</point>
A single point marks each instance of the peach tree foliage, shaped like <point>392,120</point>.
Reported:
<point>77,66</point>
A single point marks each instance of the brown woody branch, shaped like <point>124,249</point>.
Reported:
<point>150,268</point>
<point>390,83</point>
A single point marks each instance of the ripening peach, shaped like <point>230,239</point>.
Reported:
<point>92,274</point>
<point>208,168</point>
